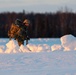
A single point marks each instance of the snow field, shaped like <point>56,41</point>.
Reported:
<point>42,63</point>
<point>39,57</point>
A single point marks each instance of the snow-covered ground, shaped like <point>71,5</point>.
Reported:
<point>51,56</point>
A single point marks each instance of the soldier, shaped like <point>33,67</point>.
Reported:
<point>19,31</point>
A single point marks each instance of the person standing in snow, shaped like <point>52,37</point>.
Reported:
<point>19,31</point>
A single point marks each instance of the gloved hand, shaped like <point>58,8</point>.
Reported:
<point>27,38</point>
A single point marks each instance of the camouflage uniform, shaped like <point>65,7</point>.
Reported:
<point>18,32</point>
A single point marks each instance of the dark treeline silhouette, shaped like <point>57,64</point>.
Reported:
<point>42,25</point>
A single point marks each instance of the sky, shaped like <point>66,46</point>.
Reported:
<point>37,5</point>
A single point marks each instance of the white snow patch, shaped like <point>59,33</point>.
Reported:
<point>1,50</point>
<point>46,48</point>
<point>12,47</point>
<point>68,42</point>
<point>24,49</point>
<point>44,63</point>
<point>39,48</point>
<point>56,47</point>
<point>32,47</point>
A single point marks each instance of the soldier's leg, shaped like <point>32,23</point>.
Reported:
<point>20,42</point>
<point>26,41</point>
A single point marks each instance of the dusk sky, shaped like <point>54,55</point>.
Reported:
<point>36,5</point>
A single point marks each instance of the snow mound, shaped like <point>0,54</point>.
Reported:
<point>24,49</point>
<point>12,47</point>
<point>68,42</point>
<point>34,48</point>
<point>38,48</point>
<point>56,47</point>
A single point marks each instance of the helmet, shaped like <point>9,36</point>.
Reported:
<point>18,22</point>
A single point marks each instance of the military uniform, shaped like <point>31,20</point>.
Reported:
<point>18,32</point>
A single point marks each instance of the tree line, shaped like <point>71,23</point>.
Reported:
<point>42,25</point>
